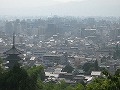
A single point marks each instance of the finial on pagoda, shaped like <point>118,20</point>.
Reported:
<point>12,55</point>
<point>14,39</point>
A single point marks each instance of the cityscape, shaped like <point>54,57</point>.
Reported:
<point>58,41</point>
<point>60,51</point>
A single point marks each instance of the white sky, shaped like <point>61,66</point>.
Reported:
<point>60,7</point>
<point>30,3</point>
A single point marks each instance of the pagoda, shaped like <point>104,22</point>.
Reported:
<point>12,55</point>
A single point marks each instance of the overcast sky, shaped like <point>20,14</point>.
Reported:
<point>31,3</point>
<point>60,7</point>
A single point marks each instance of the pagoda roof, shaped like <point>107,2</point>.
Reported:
<point>13,50</point>
<point>13,58</point>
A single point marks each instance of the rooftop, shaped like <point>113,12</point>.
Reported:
<point>13,50</point>
<point>96,73</point>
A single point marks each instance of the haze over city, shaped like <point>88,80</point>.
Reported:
<point>59,45</point>
<point>60,7</point>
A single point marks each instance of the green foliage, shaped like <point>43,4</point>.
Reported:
<point>96,65</point>
<point>18,78</point>
<point>15,79</point>
<point>1,60</point>
<point>36,72</point>
<point>111,82</point>
<point>63,84</point>
<point>79,87</point>
<point>116,54</point>
<point>88,67</point>
<point>1,69</point>
<point>69,88</point>
<point>117,73</point>
<point>60,86</point>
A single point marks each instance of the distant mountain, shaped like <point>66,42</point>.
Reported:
<point>90,8</point>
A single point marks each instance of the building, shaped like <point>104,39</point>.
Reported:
<point>51,30</point>
<point>12,55</point>
<point>96,73</point>
<point>115,34</point>
<point>88,32</point>
<point>51,59</point>
<point>9,28</point>
<point>101,53</point>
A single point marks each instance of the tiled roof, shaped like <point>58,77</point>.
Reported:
<point>13,50</point>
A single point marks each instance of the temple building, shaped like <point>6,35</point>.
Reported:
<point>12,55</point>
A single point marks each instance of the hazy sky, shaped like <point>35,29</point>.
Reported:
<point>31,3</point>
<point>60,7</point>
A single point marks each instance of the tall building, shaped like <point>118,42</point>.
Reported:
<point>12,55</point>
<point>115,34</point>
<point>17,26</point>
<point>9,28</point>
<point>51,30</point>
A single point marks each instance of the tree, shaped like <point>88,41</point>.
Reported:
<point>69,88</point>
<point>116,54</point>
<point>96,65</point>
<point>79,87</point>
<point>88,67</point>
<point>37,72</point>
<point>15,79</point>
<point>1,68</point>
<point>117,73</point>
<point>63,84</point>
<point>110,82</point>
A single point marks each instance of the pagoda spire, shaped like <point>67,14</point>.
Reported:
<point>13,39</point>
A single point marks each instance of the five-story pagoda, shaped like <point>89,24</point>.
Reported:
<point>12,55</point>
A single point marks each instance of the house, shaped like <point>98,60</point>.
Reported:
<point>50,59</point>
<point>96,73</point>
